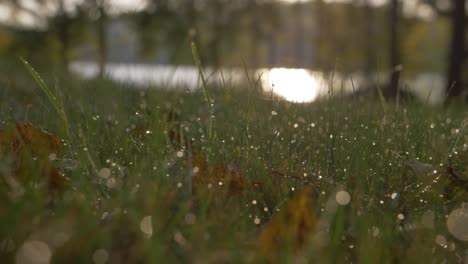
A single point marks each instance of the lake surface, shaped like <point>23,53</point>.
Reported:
<point>296,85</point>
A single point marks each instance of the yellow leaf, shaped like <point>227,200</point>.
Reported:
<point>290,229</point>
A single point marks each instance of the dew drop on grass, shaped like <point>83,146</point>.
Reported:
<point>457,223</point>
<point>100,256</point>
<point>254,202</point>
<point>257,221</point>
<point>342,198</point>
<point>34,252</point>
<point>179,238</point>
<point>180,154</point>
<point>146,226</point>
<point>394,196</point>
<point>401,217</point>
<point>52,156</point>
<point>104,173</point>
<point>375,231</point>
<point>440,240</point>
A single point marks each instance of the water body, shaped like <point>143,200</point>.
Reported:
<point>295,85</point>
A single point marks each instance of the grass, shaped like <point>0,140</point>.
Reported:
<point>335,144</point>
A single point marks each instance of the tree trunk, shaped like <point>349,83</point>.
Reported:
<point>255,34</point>
<point>102,41</point>
<point>457,50</point>
<point>300,50</point>
<point>320,35</point>
<point>368,41</point>
<point>217,32</point>
<point>62,25</point>
<point>392,88</point>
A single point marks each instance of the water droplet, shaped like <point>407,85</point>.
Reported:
<point>34,252</point>
<point>254,202</point>
<point>104,173</point>
<point>146,226</point>
<point>52,156</point>
<point>401,217</point>
<point>375,231</point>
<point>180,154</point>
<point>457,223</point>
<point>440,240</point>
<point>342,198</point>
<point>100,256</point>
<point>394,196</point>
<point>179,238</point>
<point>257,221</point>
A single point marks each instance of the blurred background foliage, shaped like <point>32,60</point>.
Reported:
<point>346,36</point>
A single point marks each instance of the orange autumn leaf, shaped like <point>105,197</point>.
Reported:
<point>30,149</point>
<point>290,229</point>
<point>216,172</point>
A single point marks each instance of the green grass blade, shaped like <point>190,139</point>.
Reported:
<point>41,84</point>
<point>56,103</point>
<point>206,92</point>
<point>196,57</point>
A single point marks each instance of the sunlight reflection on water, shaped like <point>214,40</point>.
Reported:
<point>295,85</point>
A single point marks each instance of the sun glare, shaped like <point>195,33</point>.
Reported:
<point>295,85</point>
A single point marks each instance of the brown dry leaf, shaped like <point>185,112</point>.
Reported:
<point>290,229</point>
<point>31,149</point>
<point>214,173</point>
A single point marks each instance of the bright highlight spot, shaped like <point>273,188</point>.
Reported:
<point>295,85</point>
<point>104,173</point>
<point>146,226</point>
<point>457,223</point>
<point>343,197</point>
<point>34,252</point>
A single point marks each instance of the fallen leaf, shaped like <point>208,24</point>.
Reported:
<point>31,150</point>
<point>217,172</point>
<point>290,229</point>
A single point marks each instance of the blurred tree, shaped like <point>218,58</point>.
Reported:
<point>458,53</point>
<point>164,26</point>
<point>59,21</point>
<point>368,38</point>
<point>395,63</point>
<point>60,24</point>
<point>98,14</point>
